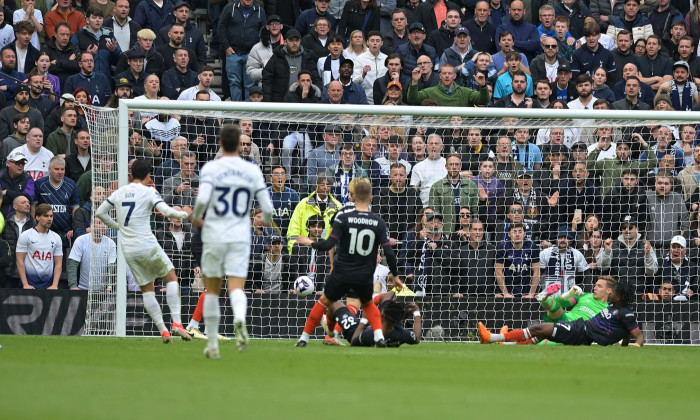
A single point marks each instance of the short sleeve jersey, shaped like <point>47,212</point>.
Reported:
<point>41,248</point>
<point>611,325</point>
<point>37,164</point>
<point>517,265</point>
<point>61,198</point>
<point>359,234</point>
<point>558,267</point>
<point>133,203</point>
<point>234,183</point>
<point>103,254</point>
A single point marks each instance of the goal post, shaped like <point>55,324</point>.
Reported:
<point>296,129</point>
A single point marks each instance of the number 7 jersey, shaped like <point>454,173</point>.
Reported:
<point>227,187</point>
<point>133,204</point>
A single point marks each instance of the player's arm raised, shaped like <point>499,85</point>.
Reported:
<point>102,213</point>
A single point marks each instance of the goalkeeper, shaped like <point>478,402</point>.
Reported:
<point>582,306</point>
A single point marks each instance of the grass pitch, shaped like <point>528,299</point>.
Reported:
<point>109,378</point>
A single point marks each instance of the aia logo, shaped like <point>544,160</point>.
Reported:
<point>43,256</point>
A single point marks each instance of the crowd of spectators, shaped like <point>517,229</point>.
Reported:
<point>470,210</point>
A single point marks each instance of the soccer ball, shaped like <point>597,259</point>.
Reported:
<point>304,286</point>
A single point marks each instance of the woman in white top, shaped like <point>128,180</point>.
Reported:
<point>357,45</point>
<point>33,16</point>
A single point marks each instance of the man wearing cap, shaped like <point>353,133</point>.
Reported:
<point>632,20</point>
<point>369,66</point>
<point>122,90</point>
<point>667,212</point>
<point>525,34</point>
<point>270,39</point>
<point>193,39</point>
<point>14,181</point>
<point>629,258</point>
<point>415,48</point>
<point>122,26</point>
<point>20,106</point>
<point>442,38</point>
<point>352,92</point>
<point>239,31</point>
<point>283,68</point>
<point>135,76</point>
<point>430,257</point>
<point>325,155</point>
<point>307,18</point>
<point>459,53</point>
<point>560,263</point>
<point>179,77</point>
<point>677,269</point>
<point>481,29</point>
<point>176,34</point>
<point>683,92</point>
<point>563,89</point>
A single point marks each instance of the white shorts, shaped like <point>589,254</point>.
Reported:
<point>148,264</point>
<point>225,259</point>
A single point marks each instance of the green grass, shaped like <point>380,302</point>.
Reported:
<point>109,378</point>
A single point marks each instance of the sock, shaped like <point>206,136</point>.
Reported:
<point>150,304</point>
<point>304,337</point>
<point>515,335</point>
<point>535,340</point>
<point>197,315</point>
<point>375,320</point>
<point>551,304</point>
<point>314,319</point>
<point>212,314</point>
<point>239,304</point>
<point>172,296</point>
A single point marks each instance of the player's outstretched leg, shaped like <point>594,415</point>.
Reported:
<point>150,304</point>
<point>239,304</point>
<point>313,320</point>
<point>193,326</point>
<point>540,331</point>
<point>550,290</point>
<point>375,321</point>
<point>172,296</point>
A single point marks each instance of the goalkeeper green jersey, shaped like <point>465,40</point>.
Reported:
<point>586,307</point>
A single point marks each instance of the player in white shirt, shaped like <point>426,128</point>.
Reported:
<point>226,190</point>
<point>133,204</point>
<point>40,253</point>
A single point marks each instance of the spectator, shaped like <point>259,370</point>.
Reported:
<point>37,156</point>
<point>62,195</point>
<point>398,35</point>
<point>39,255</point>
<point>527,153</point>
<point>394,65</point>
<point>592,55</point>
<point>320,203</point>
<point>505,43</point>
<point>632,20</point>
<point>604,143</point>
<point>655,68</point>
<point>329,66</point>
<point>62,141</point>
<point>541,100</point>
<point>473,151</point>
<point>28,13</point>
<point>491,191</point>
<point>476,263</point>
<point>122,26</point>
<point>239,32</point>
<point>670,41</point>
<point>499,11</point>
<point>358,14</point>
<point>460,52</point>
<point>50,82</point>
<point>9,68</point>
<point>687,177</point>
<point>278,75</point>
<point>663,147</point>
<point>97,86</point>
<point>64,55</point>
<point>576,11</point>
<point>306,261</point>
<point>683,92</point>
<point>663,16</point>
<point>600,86</point>
<point>430,170</point>
<point>561,263</point>
<point>480,63</point>
<point>623,53</point>
<point>610,170</point>
<point>668,215</point>
<point>394,150</point>
<point>193,39</point>
<point>431,257</point>
<point>428,78</point>
<point>205,78</point>
<point>563,89</point>
<point>433,13</point>
<point>365,158</point>
<point>578,196</point>
<point>80,161</point>
<point>176,239</point>
<point>626,198</point>
<point>459,96</point>
<point>176,35</point>
<point>18,138</point>
<point>505,164</point>
<point>686,52</point>
<point>503,86</point>
<point>525,34</point>
<point>678,271</point>
<point>28,52</point>
<point>270,39</point>
<point>316,41</point>
<point>445,201</point>
<point>82,219</point>
<point>154,62</point>
<point>323,156</point>
<point>15,182</point>
<point>584,88</point>
<point>284,199</point>
<point>37,99</point>
<point>535,206</point>
<point>88,272</point>
<point>517,265</point>
<point>303,91</point>
<point>629,258</point>
<point>305,23</point>
<point>18,221</point>
<point>343,172</point>
<point>152,15</point>
<point>64,12</point>
<point>99,41</point>
<point>171,166</point>
<point>20,105</point>
<point>370,65</point>
<point>546,65</point>
<point>7,32</point>
<point>481,30</point>
<point>397,203</point>
<point>415,48</point>
<point>687,143</point>
<point>135,75</point>
<point>644,91</point>
<point>271,271</point>
<point>443,37</point>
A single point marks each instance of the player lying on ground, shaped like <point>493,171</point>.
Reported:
<point>144,256</point>
<point>392,312</point>
<point>358,233</point>
<point>227,188</point>
<point>612,324</point>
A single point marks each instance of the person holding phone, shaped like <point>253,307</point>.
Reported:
<point>182,188</point>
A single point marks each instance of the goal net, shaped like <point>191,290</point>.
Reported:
<point>485,207</point>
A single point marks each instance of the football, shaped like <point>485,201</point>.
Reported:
<point>304,286</point>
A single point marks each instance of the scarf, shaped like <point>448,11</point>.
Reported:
<point>327,66</point>
<point>684,104</point>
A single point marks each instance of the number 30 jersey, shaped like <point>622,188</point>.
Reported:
<point>359,234</point>
<point>133,204</point>
<point>227,188</point>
